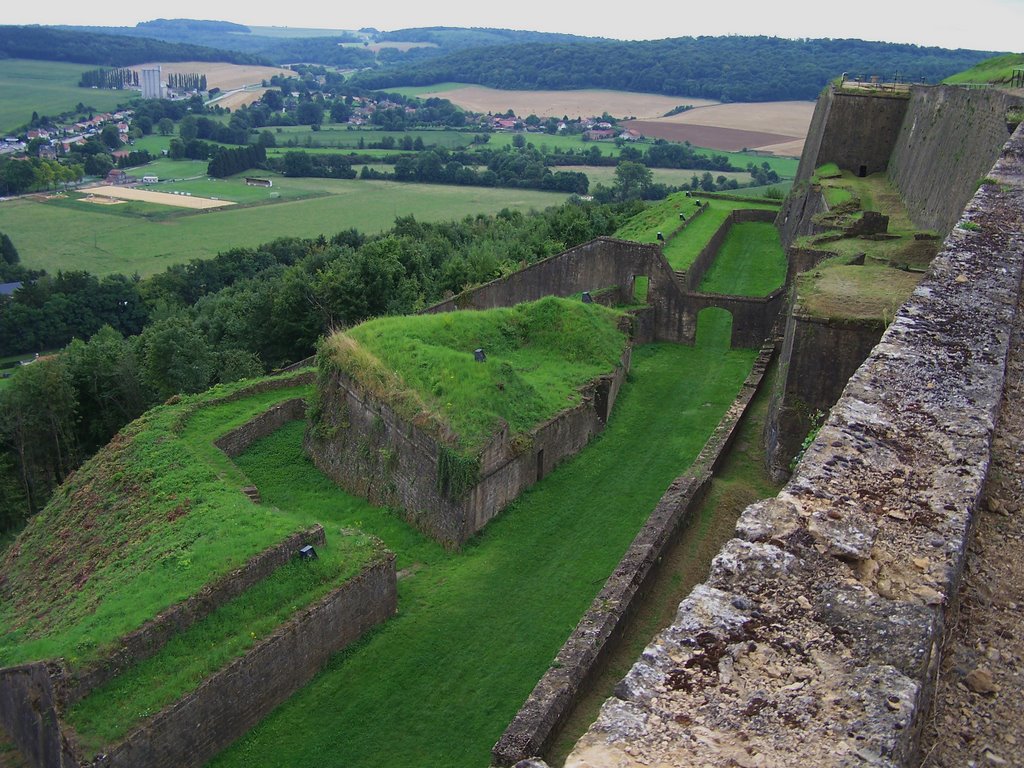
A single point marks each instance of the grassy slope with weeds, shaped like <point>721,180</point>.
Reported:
<point>476,629</point>
<point>998,70</point>
<point>538,355</point>
<point>142,525</point>
<point>750,262</point>
<point>837,288</point>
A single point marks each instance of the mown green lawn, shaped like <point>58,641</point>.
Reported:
<point>687,245</point>
<point>750,262</point>
<point>437,684</point>
<point>98,238</point>
<point>49,88</point>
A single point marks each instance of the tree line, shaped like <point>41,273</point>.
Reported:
<point>119,77</point>
<point>732,68</point>
<point>53,44</point>
<point>135,342</point>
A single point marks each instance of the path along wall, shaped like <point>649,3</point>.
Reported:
<point>815,637</point>
<point>700,266</point>
<point>368,449</point>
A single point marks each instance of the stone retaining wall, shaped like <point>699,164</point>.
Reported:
<point>148,639</point>
<point>194,729</point>
<point>553,698</point>
<point>706,257</point>
<point>239,439</point>
<point>368,449</point>
<point>815,638</point>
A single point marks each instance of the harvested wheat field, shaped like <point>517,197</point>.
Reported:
<point>236,99</point>
<point>162,198</point>
<point>778,127</point>
<point>586,103</point>
<point>219,74</point>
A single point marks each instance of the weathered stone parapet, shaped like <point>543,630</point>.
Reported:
<point>814,639</point>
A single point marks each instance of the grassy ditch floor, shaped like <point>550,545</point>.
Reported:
<point>750,262</point>
<point>538,356</point>
<point>144,524</point>
<point>740,481</point>
<point>475,630</point>
<point>109,713</point>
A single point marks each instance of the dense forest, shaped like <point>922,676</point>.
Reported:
<point>134,343</point>
<point>730,68</point>
<point>52,44</point>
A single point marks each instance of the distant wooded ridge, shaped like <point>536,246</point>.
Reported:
<point>726,68</point>
<point>53,44</point>
<point>731,68</point>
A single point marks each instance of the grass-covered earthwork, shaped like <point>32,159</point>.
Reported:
<point>110,712</point>
<point>538,355</point>
<point>144,524</point>
<point>475,630</point>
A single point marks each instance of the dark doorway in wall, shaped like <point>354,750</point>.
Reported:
<point>540,465</point>
<point>863,171</point>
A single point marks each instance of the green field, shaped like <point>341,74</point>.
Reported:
<point>436,685</point>
<point>605,174</point>
<point>49,88</point>
<point>750,262</point>
<point>57,235</point>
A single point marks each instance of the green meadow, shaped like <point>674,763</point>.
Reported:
<point>49,88</point>
<point>71,234</point>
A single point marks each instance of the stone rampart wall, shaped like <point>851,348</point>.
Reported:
<point>154,634</point>
<point>28,713</point>
<point>856,131</point>
<point>598,264</point>
<point>818,357</point>
<point>815,638</point>
<point>552,699</point>
<point>191,731</point>
<point>752,316</point>
<point>950,138</point>
<point>239,439</point>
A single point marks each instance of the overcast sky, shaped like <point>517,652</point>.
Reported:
<point>995,25</point>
